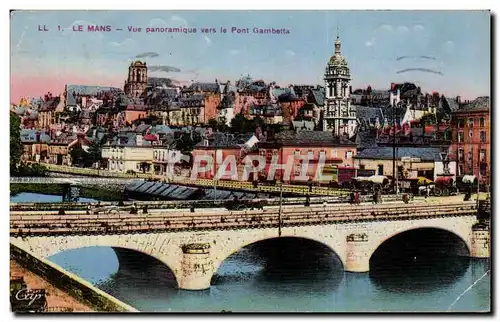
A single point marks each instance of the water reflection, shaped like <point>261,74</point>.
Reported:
<point>283,265</point>
<point>424,275</point>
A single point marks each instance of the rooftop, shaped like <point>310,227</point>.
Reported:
<point>386,153</point>
<point>310,138</point>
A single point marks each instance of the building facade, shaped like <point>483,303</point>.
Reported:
<point>471,139</point>
<point>128,158</point>
<point>339,115</point>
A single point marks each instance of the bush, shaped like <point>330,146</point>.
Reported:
<point>31,170</point>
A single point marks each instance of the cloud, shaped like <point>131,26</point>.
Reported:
<point>449,45</point>
<point>289,53</point>
<point>419,56</point>
<point>174,22</point>
<point>208,40</point>
<point>418,28</point>
<point>402,29</point>
<point>164,68</point>
<point>148,54</point>
<point>427,70</point>
<point>178,20</point>
<point>370,43</point>
<point>157,22</point>
<point>126,42</point>
<point>386,28</point>
<point>234,52</point>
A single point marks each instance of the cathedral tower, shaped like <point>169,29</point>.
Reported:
<point>137,80</point>
<point>338,114</point>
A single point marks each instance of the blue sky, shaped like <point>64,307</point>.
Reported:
<point>458,42</point>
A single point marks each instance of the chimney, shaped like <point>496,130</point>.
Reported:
<point>458,99</point>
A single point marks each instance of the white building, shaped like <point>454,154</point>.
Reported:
<point>128,158</point>
<point>338,114</point>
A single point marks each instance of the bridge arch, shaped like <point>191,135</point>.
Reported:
<point>420,241</point>
<point>225,252</point>
<point>48,246</point>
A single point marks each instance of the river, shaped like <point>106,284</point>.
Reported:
<point>302,277</point>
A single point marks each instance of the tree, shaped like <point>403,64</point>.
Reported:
<point>213,124</point>
<point>428,119</point>
<point>95,151</point>
<point>238,123</point>
<point>16,146</point>
<point>222,124</point>
<point>185,144</point>
<point>79,156</point>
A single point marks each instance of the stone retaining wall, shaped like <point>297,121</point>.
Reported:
<point>76,287</point>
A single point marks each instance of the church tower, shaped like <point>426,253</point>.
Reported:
<point>338,114</point>
<point>137,80</point>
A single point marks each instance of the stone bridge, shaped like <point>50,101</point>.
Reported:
<point>194,245</point>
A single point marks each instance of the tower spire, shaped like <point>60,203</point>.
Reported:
<point>337,42</point>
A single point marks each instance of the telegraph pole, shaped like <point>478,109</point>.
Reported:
<point>281,196</point>
<point>279,213</point>
<point>394,146</point>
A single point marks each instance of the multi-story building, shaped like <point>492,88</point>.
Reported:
<point>51,106</point>
<point>319,147</point>
<point>339,115</point>
<point>164,159</point>
<point>471,138</point>
<point>131,156</point>
<point>408,162</point>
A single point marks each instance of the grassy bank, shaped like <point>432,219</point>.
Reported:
<point>58,189</point>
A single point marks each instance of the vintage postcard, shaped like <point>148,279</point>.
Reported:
<point>250,161</point>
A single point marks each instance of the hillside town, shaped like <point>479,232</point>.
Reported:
<point>400,131</point>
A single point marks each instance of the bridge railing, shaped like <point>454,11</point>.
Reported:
<point>131,223</point>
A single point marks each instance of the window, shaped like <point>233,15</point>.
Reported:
<point>334,153</point>
<point>380,169</point>
<point>361,167</point>
<point>482,155</point>
<point>310,155</point>
<point>470,122</point>
<point>296,154</point>
<point>469,156</point>
<point>460,170</point>
<point>471,134</point>
<point>322,155</point>
<point>481,122</point>
<point>483,136</point>
<point>460,123</point>
<point>483,168</point>
<point>296,170</point>
<point>460,137</point>
<point>460,155</point>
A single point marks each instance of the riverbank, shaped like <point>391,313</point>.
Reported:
<point>69,292</point>
<point>92,192</point>
<point>57,300</point>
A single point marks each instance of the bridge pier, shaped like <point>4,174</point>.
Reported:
<point>480,241</point>
<point>197,267</point>
<point>357,253</point>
